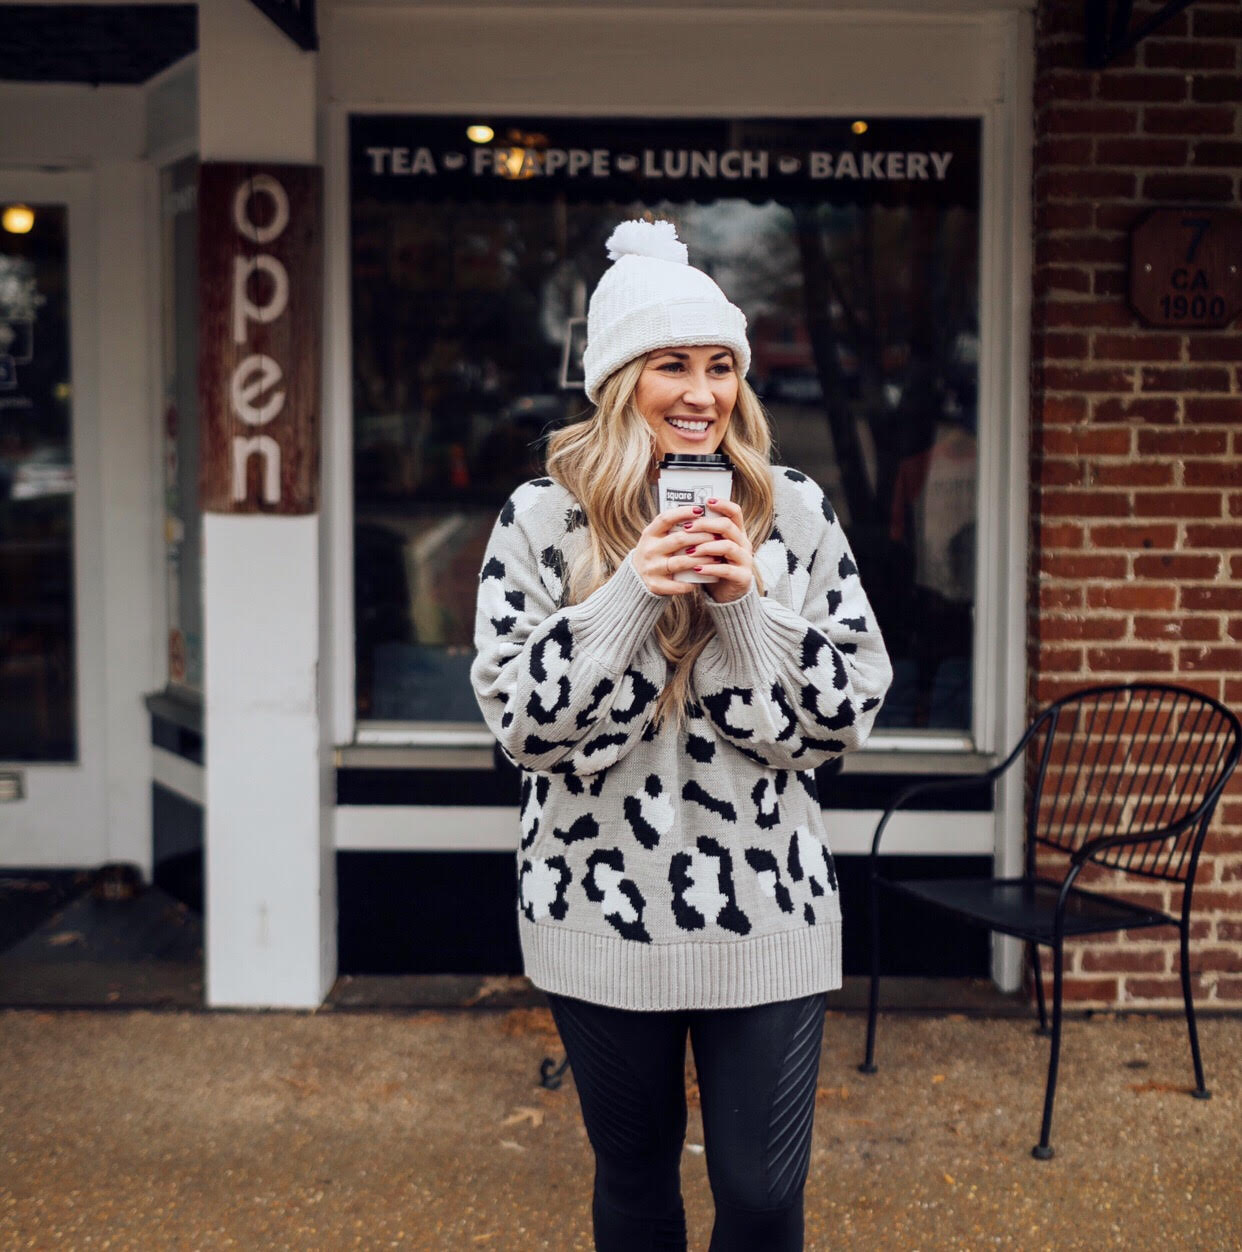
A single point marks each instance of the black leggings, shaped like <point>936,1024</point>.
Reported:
<point>757,1070</point>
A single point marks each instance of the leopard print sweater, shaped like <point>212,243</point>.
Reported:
<point>686,866</point>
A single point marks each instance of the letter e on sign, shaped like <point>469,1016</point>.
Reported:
<point>1186,268</point>
<point>259,262</point>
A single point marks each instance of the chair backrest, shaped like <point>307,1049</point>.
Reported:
<point>1120,760</point>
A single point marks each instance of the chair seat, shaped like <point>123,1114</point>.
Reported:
<point>1026,906</point>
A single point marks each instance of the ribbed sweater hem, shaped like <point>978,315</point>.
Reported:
<point>750,640</point>
<point>621,973</point>
<point>615,619</point>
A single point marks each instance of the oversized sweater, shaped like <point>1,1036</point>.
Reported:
<point>685,866</point>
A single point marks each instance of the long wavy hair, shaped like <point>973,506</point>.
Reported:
<point>606,461</point>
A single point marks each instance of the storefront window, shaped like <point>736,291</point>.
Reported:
<point>182,516</point>
<point>38,659</point>
<point>852,247</point>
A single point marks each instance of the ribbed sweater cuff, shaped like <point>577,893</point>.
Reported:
<point>612,623</point>
<point>750,640</point>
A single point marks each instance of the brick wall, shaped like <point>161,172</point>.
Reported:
<point>1137,436</point>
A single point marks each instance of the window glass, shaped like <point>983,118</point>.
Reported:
<point>38,657</point>
<point>852,248</point>
<point>182,515</point>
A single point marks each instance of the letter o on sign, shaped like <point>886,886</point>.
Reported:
<point>260,184</point>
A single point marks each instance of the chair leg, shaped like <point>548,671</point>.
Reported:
<point>1042,1029</point>
<point>873,1001</point>
<point>1042,1150</point>
<point>1200,1091</point>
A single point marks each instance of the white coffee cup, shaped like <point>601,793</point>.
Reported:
<point>695,478</point>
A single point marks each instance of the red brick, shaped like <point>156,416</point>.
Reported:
<point>1071,278</point>
<point>1129,660</point>
<point>1119,217</point>
<point>1089,119</point>
<point>1106,282</point>
<point>1174,629</point>
<point>1060,660</point>
<point>1061,345</point>
<point>1132,474</point>
<point>1069,378</point>
<point>1235,567</point>
<point>1188,120</point>
<point>1045,690</point>
<point>1229,930</point>
<point>1149,536</point>
<point>1205,960</point>
<point>1209,599</point>
<point>1134,409</point>
<point>1187,54</point>
<point>1172,565</point>
<point>1214,187</point>
<point>1217,153</point>
<point>1076,989</point>
<point>1235,628</point>
<point>1065,409</point>
<point>1084,504</point>
<point>1148,596</point>
<point>1086,441</point>
<point>1144,152</point>
<point>1057,473</point>
<point>1213,473</point>
<point>1153,989</point>
<point>1058,565</point>
<point>1235,505</point>
<point>1059,87</point>
<point>1064,535</point>
<point>1212,409</point>
<point>1194,378</point>
<point>1059,216</point>
<point>1070,313</point>
<point>1180,442</point>
<point>1217,900</point>
<point>1107,347</point>
<point>1094,628</point>
<point>1124,960</point>
<point>1141,88</point>
<point>1077,184</point>
<point>1210,659</point>
<point>1216,89</point>
<point>1063,150</point>
<point>1060,597</point>
<point>1205,536</point>
<point>1094,249</point>
<point>1177,504</point>
<point>1224,23</point>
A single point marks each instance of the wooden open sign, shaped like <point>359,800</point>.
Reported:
<point>1186,268</point>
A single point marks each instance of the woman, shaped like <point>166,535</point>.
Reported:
<point>673,875</point>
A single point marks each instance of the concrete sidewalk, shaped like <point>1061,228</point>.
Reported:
<point>362,1129</point>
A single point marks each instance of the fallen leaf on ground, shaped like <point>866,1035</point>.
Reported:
<point>937,1078</point>
<point>513,1147</point>
<point>497,984</point>
<point>524,1113</point>
<point>491,1234</point>
<point>950,1180</point>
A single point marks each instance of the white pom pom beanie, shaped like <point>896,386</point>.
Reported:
<point>652,297</point>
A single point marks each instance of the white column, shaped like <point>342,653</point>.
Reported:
<point>130,499</point>
<point>270,880</point>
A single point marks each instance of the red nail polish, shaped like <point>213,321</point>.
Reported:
<point>699,509</point>
<point>686,525</point>
<point>711,501</point>
<point>698,569</point>
<point>689,551</point>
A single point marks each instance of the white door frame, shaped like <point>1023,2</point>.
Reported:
<point>62,818</point>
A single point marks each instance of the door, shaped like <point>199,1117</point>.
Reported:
<point>52,810</point>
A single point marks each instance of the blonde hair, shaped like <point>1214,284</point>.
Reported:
<point>605,459</point>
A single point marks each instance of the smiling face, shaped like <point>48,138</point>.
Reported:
<point>687,396</point>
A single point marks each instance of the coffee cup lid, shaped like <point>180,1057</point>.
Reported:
<point>696,460</point>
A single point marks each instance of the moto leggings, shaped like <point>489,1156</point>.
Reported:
<point>757,1069</point>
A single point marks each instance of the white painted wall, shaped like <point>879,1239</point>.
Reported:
<point>270,880</point>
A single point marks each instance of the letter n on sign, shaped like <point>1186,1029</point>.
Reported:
<point>259,283</point>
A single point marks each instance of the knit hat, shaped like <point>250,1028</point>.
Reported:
<point>652,297</point>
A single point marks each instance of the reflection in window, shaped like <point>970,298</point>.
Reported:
<point>38,669</point>
<point>467,308</point>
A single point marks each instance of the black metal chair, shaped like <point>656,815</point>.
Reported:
<point>1125,777</point>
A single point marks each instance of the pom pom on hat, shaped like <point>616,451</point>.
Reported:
<point>652,297</point>
<point>654,239</point>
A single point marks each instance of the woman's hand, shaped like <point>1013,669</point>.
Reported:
<point>726,554</point>
<point>660,551</point>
